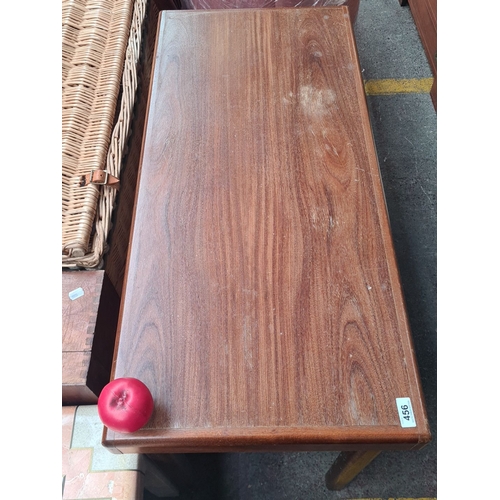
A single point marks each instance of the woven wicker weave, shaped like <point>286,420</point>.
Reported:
<point>100,50</point>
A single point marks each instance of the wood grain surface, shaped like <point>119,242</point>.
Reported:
<point>88,334</point>
<point>352,5</point>
<point>262,303</point>
<point>424,13</point>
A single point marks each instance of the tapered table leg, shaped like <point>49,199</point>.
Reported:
<point>347,466</point>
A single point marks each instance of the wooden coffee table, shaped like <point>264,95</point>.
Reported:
<point>262,303</point>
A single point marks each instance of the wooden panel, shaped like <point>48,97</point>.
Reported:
<point>228,4</point>
<point>88,334</point>
<point>74,379</point>
<point>80,315</point>
<point>118,239</point>
<point>262,303</point>
<point>425,15</point>
<point>353,5</point>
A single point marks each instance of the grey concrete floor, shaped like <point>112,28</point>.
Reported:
<point>404,128</point>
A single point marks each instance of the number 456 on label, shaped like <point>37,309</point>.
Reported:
<point>405,411</point>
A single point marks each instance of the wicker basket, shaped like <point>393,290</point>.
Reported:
<point>100,52</point>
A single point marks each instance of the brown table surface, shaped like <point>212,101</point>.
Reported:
<point>262,303</point>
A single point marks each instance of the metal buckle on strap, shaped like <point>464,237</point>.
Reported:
<point>103,183</point>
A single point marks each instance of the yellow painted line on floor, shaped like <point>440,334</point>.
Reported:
<point>399,86</point>
<point>398,498</point>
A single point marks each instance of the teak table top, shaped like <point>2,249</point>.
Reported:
<point>262,303</point>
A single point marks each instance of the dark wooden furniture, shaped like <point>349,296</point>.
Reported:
<point>424,13</point>
<point>262,303</point>
<point>89,318</point>
<point>353,5</point>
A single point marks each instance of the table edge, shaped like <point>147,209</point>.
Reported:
<point>220,439</point>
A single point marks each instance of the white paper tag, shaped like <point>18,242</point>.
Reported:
<point>76,294</point>
<point>405,411</point>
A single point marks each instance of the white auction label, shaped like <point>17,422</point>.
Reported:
<point>76,294</point>
<point>405,411</point>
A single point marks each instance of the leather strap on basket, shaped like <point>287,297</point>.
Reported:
<point>101,178</point>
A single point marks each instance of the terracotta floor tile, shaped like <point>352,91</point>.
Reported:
<point>78,480</point>
<point>119,485</point>
<point>68,418</point>
<point>75,467</point>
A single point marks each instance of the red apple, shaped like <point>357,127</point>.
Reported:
<point>125,405</point>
